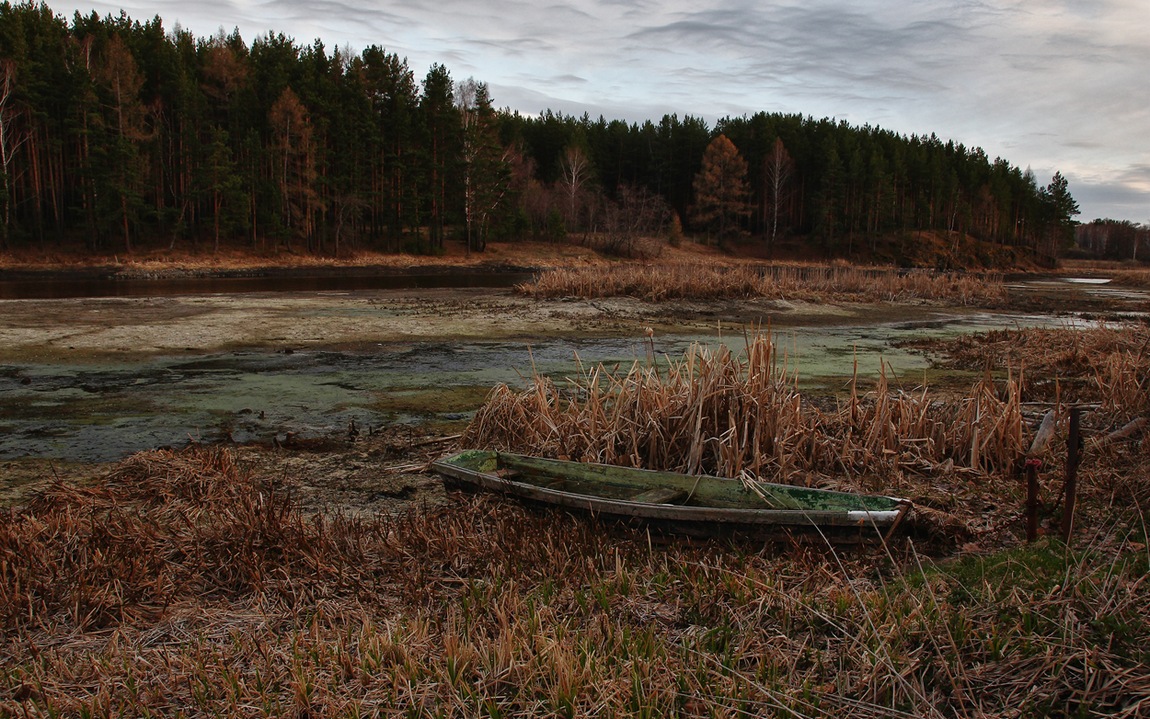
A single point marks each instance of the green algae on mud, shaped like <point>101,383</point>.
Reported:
<point>452,402</point>
<point>104,411</point>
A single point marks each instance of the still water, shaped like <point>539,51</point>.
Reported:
<point>101,412</point>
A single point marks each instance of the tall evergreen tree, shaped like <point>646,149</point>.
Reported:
<point>486,171</point>
<point>127,127</point>
<point>721,188</point>
<point>440,127</point>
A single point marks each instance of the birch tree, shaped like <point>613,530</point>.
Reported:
<point>778,169</point>
<point>575,175</point>
<point>10,141</point>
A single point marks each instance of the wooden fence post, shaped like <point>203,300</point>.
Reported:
<point>1073,450</point>
<point>1033,461</point>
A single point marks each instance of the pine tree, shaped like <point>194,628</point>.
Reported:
<point>123,166</point>
<point>721,188</point>
<point>486,171</point>
<point>441,128</point>
<point>1061,208</point>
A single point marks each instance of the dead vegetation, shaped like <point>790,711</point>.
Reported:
<point>183,585</point>
<point>1107,364</point>
<point>727,413</point>
<point>713,280</point>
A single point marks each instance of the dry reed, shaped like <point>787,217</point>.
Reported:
<point>486,609</point>
<point>671,281</point>
<point>1105,364</point>
<point>724,413</point>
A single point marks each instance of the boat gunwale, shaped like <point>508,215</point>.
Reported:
<point>670,512</point>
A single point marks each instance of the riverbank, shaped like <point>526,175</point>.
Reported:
<point>175,264</point>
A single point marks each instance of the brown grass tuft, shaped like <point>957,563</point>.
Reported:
<point>723,413</point>
<point>486,609</point>
<point>671,281</point>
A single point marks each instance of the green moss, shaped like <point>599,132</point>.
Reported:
<point>463,399</point>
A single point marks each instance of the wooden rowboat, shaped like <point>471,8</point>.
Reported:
<point>693,504</point>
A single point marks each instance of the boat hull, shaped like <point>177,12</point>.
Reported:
<point>695,504</point>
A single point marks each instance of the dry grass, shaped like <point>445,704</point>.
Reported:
<point>232,603</point>
<point>704,281</point>
<point>186,261</point>
<point>1132,277</point>
<point>182,585</point>
<point>723,413</point>
<point>1107,364</point>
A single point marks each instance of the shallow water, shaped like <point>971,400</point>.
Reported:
<point>103,412</point>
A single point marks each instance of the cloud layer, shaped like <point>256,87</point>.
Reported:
<point>1050,84</point>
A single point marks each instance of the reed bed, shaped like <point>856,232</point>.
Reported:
<point>1132,277</point>
<point>1107,364</point>
<point>718,412</point>
<point>244,606</point>
<point>682,281</point>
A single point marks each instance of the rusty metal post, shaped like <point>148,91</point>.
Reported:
<point>1073,450</point>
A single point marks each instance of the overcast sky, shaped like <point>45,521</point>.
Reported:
<point>1049,84</point>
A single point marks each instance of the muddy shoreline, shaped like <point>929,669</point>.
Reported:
<point>83,332</point>
<point>111,272</point>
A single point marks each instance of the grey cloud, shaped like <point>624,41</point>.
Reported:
<point>1113,200</point>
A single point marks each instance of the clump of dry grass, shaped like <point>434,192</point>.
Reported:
<point>671,281</point>
<point>1107,364</point>
<point>161,526</point>
<point>723,413</point>
<point>486,609</point>
<point>1132,276</point>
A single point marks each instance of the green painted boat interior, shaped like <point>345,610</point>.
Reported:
<point>626,483</point>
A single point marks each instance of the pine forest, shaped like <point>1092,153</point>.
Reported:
<point>117,134</point>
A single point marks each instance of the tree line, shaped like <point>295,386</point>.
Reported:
<point>118,133</point>
<point>1113,240</point>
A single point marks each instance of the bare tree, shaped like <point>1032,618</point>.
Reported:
<point>778,168</point>
<point>637,215</point>
<point>576,174</point>
<point>10,141</point>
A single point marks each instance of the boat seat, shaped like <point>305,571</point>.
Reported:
<point>660,495</point>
